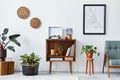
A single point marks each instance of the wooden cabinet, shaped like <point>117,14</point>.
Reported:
<point>53,44</point>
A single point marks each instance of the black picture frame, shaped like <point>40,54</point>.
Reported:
<point>94,19</point>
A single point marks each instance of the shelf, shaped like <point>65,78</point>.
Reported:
<point>60,40</point>
<point>58,56</point>
<point>61,61</point>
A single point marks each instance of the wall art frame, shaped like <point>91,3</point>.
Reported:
<point>94,19</point>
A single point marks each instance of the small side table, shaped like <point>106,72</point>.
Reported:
<point>6,67</point>
<point>89,61</point>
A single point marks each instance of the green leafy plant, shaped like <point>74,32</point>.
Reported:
<point>11,38</point>
<point>60,48</point>
<point>30,60</point>
<point>89,49</point>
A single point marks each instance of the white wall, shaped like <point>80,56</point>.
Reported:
<point>64,13</point>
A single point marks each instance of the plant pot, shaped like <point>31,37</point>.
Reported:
<point>30,70</point>
<point>89,55</point>
<point>2,53</point>
<point>60,53</point>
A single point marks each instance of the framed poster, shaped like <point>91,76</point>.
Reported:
<point>94,19</point>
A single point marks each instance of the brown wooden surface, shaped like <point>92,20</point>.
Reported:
<point>54,43</point>
<point>6,67</point>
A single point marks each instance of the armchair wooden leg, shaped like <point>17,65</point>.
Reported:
<point>104,64</point>
<point>108,72</point>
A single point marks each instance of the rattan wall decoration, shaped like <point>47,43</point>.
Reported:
<point>35,22</point>
<point>23,12</point>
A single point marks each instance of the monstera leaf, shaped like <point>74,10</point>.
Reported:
<point>13,39</point>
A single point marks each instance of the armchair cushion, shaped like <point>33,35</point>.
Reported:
<point>113,48</point>
<point>114,62</point>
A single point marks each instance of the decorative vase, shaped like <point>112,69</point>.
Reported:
<point>69,37</point>
<point>2,53</point>
<point>89,54</point>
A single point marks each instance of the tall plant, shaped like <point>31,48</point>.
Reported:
<point>5,40</point>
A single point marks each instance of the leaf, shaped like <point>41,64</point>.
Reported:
<point>16,42</point>
<point>11,48</point>
<point>4,38</point>
<point>14,36</point>
<point>98,54</point>
<point>5,31</point>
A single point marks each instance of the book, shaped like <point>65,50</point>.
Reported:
<point>56,58</point>
<point>68,51</point>
<point>72,50</point>
<point>68,58</point>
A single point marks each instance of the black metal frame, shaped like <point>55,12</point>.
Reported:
<point>86,5</point>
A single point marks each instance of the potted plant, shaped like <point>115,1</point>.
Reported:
<point>89,50</point>
<point>5,40</point>
<point>60,50</point>
<point>30,64</point>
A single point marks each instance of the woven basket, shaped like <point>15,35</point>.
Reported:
<point>35,22</point>
<point>23,12</point>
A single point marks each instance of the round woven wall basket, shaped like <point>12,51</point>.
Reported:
<point>23,12</point>
<point>35,22</point>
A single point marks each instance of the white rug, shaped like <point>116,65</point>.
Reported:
<point>20,76</point>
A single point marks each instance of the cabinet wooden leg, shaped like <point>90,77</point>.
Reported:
<point>50,67</point>
<point>71,67</point>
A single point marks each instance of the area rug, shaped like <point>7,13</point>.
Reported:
<point>20,76</point>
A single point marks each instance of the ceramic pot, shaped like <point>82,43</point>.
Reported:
<point>89,55</point>
<point>2,53</point>
<point>60,53</point>
<point>30,70</point>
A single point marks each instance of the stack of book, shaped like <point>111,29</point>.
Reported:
<point>69,58</point>
<point>56,58</point>
<point>70,51</point>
